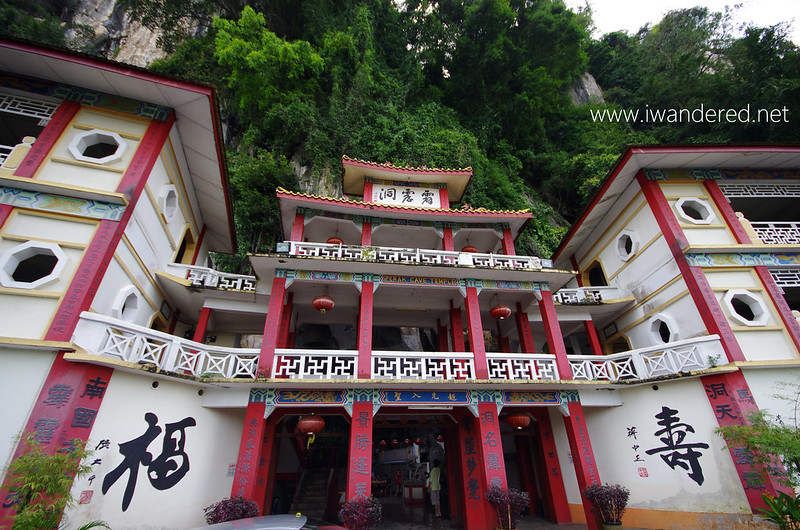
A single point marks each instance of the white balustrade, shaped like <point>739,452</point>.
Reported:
<point>116,339</point>
<point>422,365</point>
<point>786,277</point>
<point>777,233</point>
<point>210,278</point>
<point>585,295</point>
<point>522,366</point>
<point>315,364</point>
<point>413,255</point>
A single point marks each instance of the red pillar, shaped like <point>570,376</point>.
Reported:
<point>456,329</point>
<point>444,199</point>
<point>524,330</point>
<point>47,139</point>
<point>286,321</point>
<point>255,449</point>
<point>557,495</point>
<point>202,325</point>
<point>594,340</point>
<point>447,239</point>
<point>367,197</point>
<point>441,334</point>
<point>365,331</point>
<point>582,457</point>
<point>366,234</point>
<point>272,326</point>
<point>475,334</point>
<point>508,243</point>
<point>359,467</point>
<point>552,331</point>
<point>298,227</point>
<point>477,512</point>
<point>577,268</point>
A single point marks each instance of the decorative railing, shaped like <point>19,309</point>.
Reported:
<point>212,279</point>
<point>413,256</point>
<point>585,295</point>
<point>785,277</point>
<point>666,359</point>
<point>315,364</point>
<point>422,365</point>
<point>777,233</point>
<point>115,339</point>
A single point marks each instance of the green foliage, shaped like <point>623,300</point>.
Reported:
<point>770,439</point>
<point>783,510</point>
<point>46,22</point>
<point>42,481</point>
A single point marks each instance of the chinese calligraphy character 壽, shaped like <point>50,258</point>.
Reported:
<point>676,452</point>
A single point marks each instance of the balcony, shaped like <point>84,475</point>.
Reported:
<point>413,256</point>
<point>777,233</point>
<point>586,295</point>
<point>206,278</point>
<point>108,339</point>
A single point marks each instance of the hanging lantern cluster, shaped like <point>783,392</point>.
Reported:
<point>322,303</point>
<point>395,443</point>
<point>518,421</point>
<point>500,312</point>
<point>310,426</point>
<point>440,438</point>
<point>382,444</point>
<point>418,441</point>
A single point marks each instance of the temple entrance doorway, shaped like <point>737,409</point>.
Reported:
<point>406,443</point>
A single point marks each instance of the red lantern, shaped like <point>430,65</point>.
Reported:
<point>322,303</point>
<point>406,442</point>
<point>383,444</point>
<point>439,438</point>
<point>500,312</point>
<point>335,241</point>
<point>311,424</point>
<point>518,421</point>
<point>395,443</point>
<point>469,249</point>
<point>418,441</point>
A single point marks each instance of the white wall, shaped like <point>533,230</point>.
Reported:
<point>212,446</point>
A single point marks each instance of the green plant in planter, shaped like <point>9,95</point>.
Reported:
<point>783,510</point>
<point>361,514</point>
<point>509,504</point>
<point>609,501</point>
<point>41,481</point>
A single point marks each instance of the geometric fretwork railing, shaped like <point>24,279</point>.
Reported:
<point>785,277</point>
<point>108,337</point>
<point>210,278</point>
<point>777,233</point>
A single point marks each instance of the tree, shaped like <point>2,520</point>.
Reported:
<point>41,482</point>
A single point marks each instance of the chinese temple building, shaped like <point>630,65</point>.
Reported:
<point>393,326</point>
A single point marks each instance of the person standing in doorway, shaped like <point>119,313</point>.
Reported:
<point>436,486</point>
<point>398,478</point>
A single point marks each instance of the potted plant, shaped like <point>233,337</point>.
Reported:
<point>231,509</point>
<point>360,514</point>
<point>609,502</point>
<point>509,504</point>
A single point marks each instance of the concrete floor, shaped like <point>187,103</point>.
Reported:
<point>400,516</point>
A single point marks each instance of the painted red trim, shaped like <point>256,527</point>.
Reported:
<point>286,321</point>
<point>508,243</point>
<point>366,234</point>
<point>785,312</point>
<point>198,245</point>
<point>251,450</point>
<point>576,267</point>
<point>594,340</point>
<point>297,227</point>
<point>524,330</point>
<point>202,325</point>
<point>552,331</point>
<point>150,148</point>
<point>5,213</point>
<point>365,331</point>
<point>457,330</point>
<point>700,290</point>
<point>556,495</point>
<point>478,514</point>
<point>367,196</point>
<point>447,239</point>
<point>346,161</point>
<point>272,326</point>
<point>582,458</point>
<point>359,468</point>
<point>47,139</point>
<point>475,333</point>
<point>727,212</point>
<point>441,335</point>
<point>444,199</point>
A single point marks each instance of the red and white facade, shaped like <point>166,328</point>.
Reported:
<point>659,318</point>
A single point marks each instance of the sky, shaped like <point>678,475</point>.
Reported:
<point>630,15</point>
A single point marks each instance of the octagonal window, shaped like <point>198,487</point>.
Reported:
<point>745,307</point>
<point>663,329</point>
<point>31,265</point>
<point>627,245</point>
<point>97,146</point>
<point>695,210</point>
<point>168,201</point>
<point>127,304</point>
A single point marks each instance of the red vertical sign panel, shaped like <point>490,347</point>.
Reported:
<point>359,469</point>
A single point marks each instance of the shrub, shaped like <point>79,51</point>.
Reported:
<point>609,501</point>
<point>231,509</point>
<point>360,514</point>
<point>509,503</point>
<point>783,510</point>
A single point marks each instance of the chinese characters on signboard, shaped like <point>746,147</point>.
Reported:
<point>406,196</point>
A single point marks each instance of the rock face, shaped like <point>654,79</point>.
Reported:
<point>586,90</point>
<point>116,37</point>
